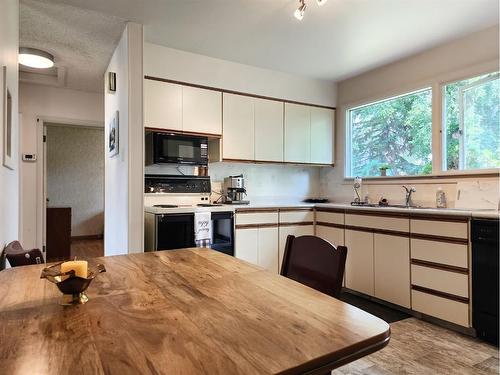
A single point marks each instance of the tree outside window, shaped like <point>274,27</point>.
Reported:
<point>471,123</point>
<point>393,134</point>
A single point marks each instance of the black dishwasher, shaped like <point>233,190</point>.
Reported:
<point>485,279</point>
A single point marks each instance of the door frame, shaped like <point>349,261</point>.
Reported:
<point>41,188</point>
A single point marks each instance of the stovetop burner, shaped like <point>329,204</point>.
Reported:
<point>165,205</point>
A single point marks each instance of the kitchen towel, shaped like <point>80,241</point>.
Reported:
<point>203,229</point>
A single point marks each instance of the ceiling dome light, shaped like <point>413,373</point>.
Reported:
<point>321,2</point>
<point>35,58</point>
<point>299,13</point>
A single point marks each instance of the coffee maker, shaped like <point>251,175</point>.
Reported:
<point>234,190</point>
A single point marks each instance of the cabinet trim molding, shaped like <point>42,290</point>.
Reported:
<point>431,237</point>
<point>292,209</point>
<point>331,225</point>
<point>252,226</point>
<point>226,91</point>
<point>440,294</point>
<point>378,213</point>
<point>440,266</point>
<point>298,223</point>
<point>336,210</point>
<point>440,218</point>
<point>275,162</point>
<point>255,210</point>
<point>378,231</point>
<point>158,130</point>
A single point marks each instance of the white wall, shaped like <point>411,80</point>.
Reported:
<point>463,58</point>
<point>183,66</point>
<point>75,175</point>
<point>264,182</point>
<point>9,179</point>
<point>123,221</point>
<point>49,104</point>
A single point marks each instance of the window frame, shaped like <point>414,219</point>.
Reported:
<point>348,131</point>
<point>437,84</point>
<point>444,154</point>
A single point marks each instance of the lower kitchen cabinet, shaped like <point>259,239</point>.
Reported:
<point>359,270</point>
<point>443,308</point>
<point>268,248</point>
<point>294,230</point>
<point>258,246</point>
<point>245,244</point>
<point>331,234</point>
<point>392,268</point>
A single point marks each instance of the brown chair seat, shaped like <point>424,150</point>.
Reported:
<point>17,256</point>
<point>314,262</point>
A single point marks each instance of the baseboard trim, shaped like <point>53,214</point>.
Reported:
<point>88,237</point>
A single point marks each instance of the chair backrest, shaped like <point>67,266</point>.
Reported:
<point>314,262</point>
<point>17,256</point>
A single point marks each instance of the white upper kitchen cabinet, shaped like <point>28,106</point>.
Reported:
<point>297,133</point>
<point>201,110</point>
<point>322,125</point>
<point>162,105</point>
<point>268,130</point>
<point>238,119</point>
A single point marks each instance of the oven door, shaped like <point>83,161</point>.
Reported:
<point>174,231</point>
<point>223,232</point>
<point>180,149</point>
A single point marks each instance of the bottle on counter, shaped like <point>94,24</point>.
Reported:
<point>440,198</point>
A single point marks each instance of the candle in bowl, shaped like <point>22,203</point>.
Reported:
<point>79,266</point>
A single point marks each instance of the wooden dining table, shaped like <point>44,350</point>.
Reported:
<point>188,311</point>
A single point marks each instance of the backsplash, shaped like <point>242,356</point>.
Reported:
<point>263,181</point>
<point>469,193</point>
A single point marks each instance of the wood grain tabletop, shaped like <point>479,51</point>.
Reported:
<point>190,311</point>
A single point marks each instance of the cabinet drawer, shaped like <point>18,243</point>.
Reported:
<point>330,217</point>
<point>300,216</point>
<point>442,308</point>
<point>452,254</point>
<point>256,218</point>
<point>378,222</point>
<point>454,229</point>
<point>444,281</point>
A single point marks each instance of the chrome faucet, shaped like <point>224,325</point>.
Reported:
<point>409,192</point>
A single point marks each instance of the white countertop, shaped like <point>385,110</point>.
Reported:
<point>486,214</point>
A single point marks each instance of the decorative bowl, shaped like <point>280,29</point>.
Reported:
<point>72,287</point>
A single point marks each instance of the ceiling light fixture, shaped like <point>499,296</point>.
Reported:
<point>299,13</point>
<point>35,58</point>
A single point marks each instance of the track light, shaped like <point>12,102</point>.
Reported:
<point>299,13</point>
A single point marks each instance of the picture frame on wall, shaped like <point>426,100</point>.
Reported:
<point>114,136</point>
<point>7,118</point>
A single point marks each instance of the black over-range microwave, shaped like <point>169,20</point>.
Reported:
<point>176,149</point>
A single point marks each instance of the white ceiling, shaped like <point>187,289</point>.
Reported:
<point>82,42</point>
<point>338,40</point>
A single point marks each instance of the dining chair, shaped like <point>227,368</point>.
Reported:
<point>17,256</point>
<point>314,262</point>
